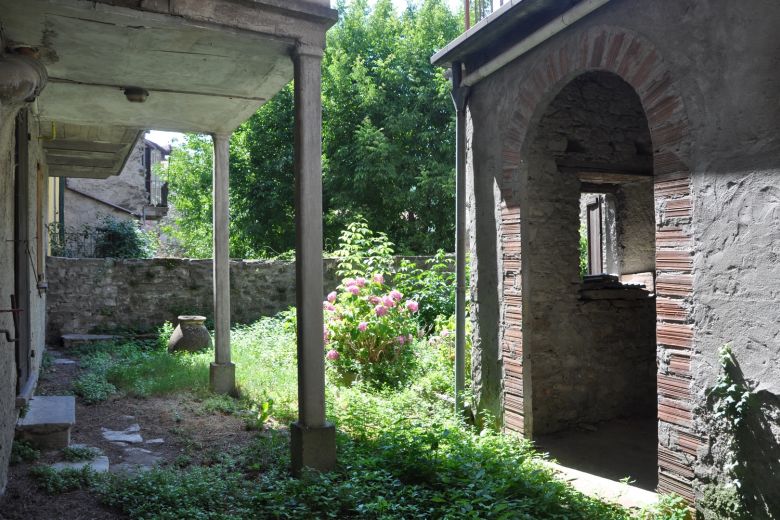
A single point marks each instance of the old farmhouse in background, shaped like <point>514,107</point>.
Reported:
<point>667,115</point>
<point>80,80</point>
<point>135,193</point>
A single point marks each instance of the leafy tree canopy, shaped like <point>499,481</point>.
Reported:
<point>388,143</point>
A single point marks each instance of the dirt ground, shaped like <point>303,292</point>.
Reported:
<point>190,436</point>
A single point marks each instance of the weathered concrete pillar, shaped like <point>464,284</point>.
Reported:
<point>223,373</point>
<point>313,440</point>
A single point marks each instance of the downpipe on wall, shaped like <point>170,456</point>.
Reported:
<point>460,99</point>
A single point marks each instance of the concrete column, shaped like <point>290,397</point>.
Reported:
<point>313,440</point>
<point>223,372</point>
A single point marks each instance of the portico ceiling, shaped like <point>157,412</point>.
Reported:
<point>200,76</point>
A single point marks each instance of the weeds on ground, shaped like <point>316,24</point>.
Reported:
<point>402,453</point>
<point>79,453</point>
<point>56,482</point>
<point>22,451</point>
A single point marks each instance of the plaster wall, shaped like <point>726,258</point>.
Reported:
<point>720,58</point>
<point>83,211</point>
<point>37,245</point>
<point>635,221</point>
<point>35,313</point>
<point>7,363</point>
<point>127,190</point>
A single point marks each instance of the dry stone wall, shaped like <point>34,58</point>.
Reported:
<point>103,295</point>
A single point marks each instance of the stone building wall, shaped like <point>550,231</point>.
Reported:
<point>35,313</point>
<point>92,295</point>
<point>8,412</point>
<point>705,72</point>
<point>126,190</point>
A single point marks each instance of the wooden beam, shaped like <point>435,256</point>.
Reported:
<point>601,177</point>
<point>64,160</point>
<point>589,187</point>
<point>81,172</point>
<point>86,146</point>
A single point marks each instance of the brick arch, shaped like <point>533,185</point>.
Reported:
<point>636,61</point>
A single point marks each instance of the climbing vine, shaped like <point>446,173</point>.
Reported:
<point>729,401</point>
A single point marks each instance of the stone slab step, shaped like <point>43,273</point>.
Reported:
<point>48,421</point>
<point>72,340</point>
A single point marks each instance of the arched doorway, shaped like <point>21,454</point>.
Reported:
<point>588,281</point>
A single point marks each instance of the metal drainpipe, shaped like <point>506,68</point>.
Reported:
<point>61,196</point>
<point>460,98</point>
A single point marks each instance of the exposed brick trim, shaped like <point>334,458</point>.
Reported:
<point>637,62</point>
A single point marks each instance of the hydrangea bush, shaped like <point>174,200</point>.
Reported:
<point>370,332</point>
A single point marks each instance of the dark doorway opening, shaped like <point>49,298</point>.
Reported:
<point>588,282</point>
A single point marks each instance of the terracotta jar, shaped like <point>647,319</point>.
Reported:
<point>191,335</point>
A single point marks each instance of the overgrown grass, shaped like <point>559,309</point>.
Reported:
<point>402,454</point>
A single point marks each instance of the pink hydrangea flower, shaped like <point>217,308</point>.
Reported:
<point>412,306</point>
<point>332,296</point>
<point>348,282</point>
<point>354,290</point>
<point>380,310</point>
<point>401,340</point>
<point>325,333</point>
<point>444,333</point>
<point>328,306</point>
<point>396,295</point>
<point>388,301</point>
<point>378,278</point>
<point>332,355</point>
<point>373,300</point>
<point>362,326</point>
<point>360,281</point>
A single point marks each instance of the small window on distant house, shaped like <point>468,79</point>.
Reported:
<point>595,237</point>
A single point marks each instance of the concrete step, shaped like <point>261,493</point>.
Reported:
<point>73,340</point>
<point>48,421</point>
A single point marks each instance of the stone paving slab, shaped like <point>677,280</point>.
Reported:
<point>48,420</point>
<point>99,464</point>
<point>129,435</point>
<point>605,489</point>
<point>49,413</point>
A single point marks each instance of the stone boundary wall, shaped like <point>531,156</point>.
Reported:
<point>105,295</point>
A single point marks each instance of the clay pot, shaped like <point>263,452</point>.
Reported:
<point>191,335</point>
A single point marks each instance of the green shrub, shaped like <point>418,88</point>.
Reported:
<point>370,332</point>
<point>362,251</point>
<point>433,286</point>
<point>93,387</point>
<point>164,333</point>
<point>56,482</point>
<point>584,257</point>
<point>116,238</point>
<point>79,453</point>
<point>668,507</point>
<point>22,451</point>
<point>437,356</point>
